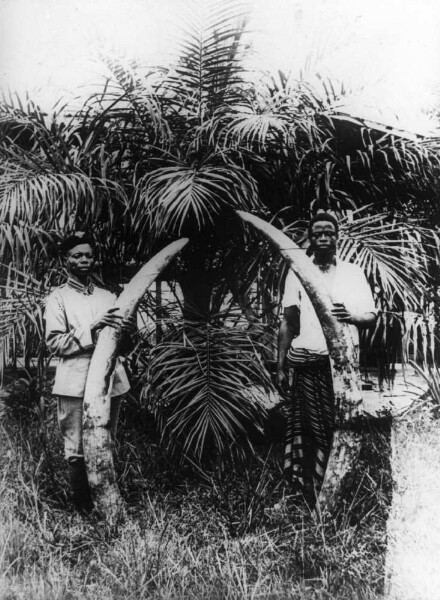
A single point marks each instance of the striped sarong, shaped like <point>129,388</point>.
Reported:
<point>310,420</point>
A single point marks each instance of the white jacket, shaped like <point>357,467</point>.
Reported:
<point>70,311</point>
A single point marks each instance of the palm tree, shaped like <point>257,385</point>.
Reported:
<point>53,181</point>
<point>381,184</point>
<point>181,181</point>
<point>163,152</point>
<point>184,183</point>
<point>144,140</point>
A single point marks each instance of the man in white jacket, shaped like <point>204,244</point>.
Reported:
<point>75,313</point>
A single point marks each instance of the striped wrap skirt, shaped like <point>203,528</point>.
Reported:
<point>310,420</point>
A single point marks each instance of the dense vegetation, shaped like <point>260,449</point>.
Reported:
<point>157,153</point>
<point>233,533</point>
<point>150,155</point>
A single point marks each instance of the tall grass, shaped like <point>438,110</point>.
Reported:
<point>413,529</point>
<point>234,532</point>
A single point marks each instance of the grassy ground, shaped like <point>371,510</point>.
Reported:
<point>414,522</point>
<point>234,533</point>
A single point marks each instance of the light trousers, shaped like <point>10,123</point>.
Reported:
<point>70,422</point>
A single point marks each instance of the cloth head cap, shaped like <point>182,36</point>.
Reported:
<point>75,240</point>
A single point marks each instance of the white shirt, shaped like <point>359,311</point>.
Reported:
<point>347,284</point>
<point>70,311</point>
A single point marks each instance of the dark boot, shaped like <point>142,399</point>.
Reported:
<point>80,486</point>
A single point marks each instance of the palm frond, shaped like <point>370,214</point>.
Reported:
<point>210,64</point>
<point>40,137</point>
<point>252,130</point>
<point>21,314</point>
<point>173,198</point>
<point>40,196</point>
<point>129,104</point>
<point>24,243</point>
<point>205,386</point>
<point>394,255</point>
<point>398,258</point>
<point>431,376</point>
<point>419,341</point>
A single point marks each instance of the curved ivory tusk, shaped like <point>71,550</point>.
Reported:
<point>96,421</point>
<point>346,443</point>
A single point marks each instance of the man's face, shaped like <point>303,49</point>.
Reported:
<point>323,237</point>
<point>80,260</point>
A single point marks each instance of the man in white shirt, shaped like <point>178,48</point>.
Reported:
<point>75,313</point>
<point>302,348</point>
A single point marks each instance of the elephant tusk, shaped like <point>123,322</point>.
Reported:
<point>346,443</point>
<point>96,432</point>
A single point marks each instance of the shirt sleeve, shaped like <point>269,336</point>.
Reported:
<point>60,339</point>
<point>364,295</point>
<point>292,294</point>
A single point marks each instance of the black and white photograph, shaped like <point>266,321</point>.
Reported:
<point>219,300</point>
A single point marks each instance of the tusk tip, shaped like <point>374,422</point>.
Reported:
<point>244,215</point>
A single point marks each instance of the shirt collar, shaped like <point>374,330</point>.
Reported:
<point>86,289</point>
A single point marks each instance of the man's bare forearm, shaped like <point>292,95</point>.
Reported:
<point>289,329</point>
<point>285,337</point>
<point>362,320</point>
<point>365,320</point>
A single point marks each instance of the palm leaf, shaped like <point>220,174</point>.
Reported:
<point>129,105</point>
<point>397,257</point>
<point>393,253</point>
<point>40,196</point>
<point>174,197</point>
<point>21,314</point>
<point>204,387</point>
<point>210,57</point>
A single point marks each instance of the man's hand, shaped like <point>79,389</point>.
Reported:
<point>282,381</point>
<point>108,319</point>
<point>129,325</point>
<point>341,313</point>
<point>360,319</point>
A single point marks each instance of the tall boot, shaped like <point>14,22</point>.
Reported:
<point>80,486</point>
